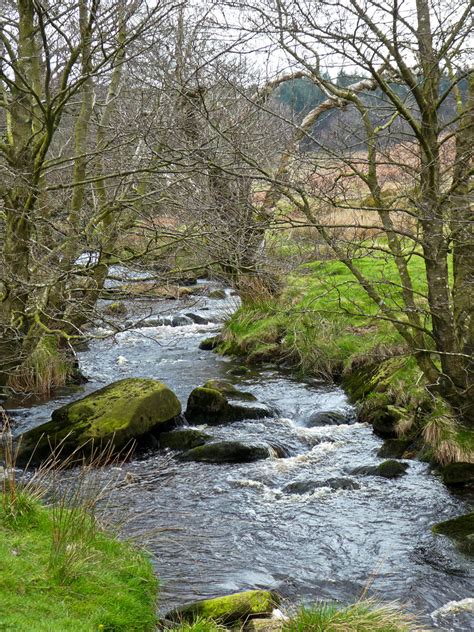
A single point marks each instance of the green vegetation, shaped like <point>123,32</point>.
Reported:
<point>228,609</point>
<point>363,616</point>
<point>47,368</point>
<point>323,323</point>
<point>93,582</point>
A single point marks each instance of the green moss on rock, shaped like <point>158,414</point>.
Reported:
<point>458,474</point>
<point>460,529</point>
<point>229,390</point>
<point>394,448</point>
<point>387,469</point>
<point>118,413</point>
<point>184,439</point>
<point>392,469</point>
<point>227,452</point>
<point>206,403</point>
<point>209,344</point>
<point>116,309</point>
<point>217,294</point>
<point>211,406</point>
<point>229,609</point>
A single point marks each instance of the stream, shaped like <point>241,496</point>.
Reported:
<point>215,529</point>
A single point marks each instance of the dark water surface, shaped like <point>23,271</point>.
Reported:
<point>214,529</point>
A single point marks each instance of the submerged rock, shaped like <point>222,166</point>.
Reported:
<point>460,529</point>
<point>196,318</point>
<point>227,452</point>
<point>229,609</point>
<point>328,418</point>
<point>458,474</point>
<point>114,415</point>
<point>239,370</point>
<point>184,439</point>
<point>306,487</point>
<point>217,294</point>
<point>212,406</point>
<point>209,344</point>
<point>394,448</point>
<point>178,320</point>
<point>387,469</point>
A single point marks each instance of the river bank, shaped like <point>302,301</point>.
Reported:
<point>322,324</point>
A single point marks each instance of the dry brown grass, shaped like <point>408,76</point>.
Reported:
<point>440,432</point>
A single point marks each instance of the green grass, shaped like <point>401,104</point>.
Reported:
<point>324,320</point>
<point>359,617</point>
<point>200,625</point>
<point>113,588</point>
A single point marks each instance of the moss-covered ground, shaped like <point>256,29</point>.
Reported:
<point>99,584</point>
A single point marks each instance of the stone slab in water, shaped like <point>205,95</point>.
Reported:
<point>387,469</point>
<point>306,487</point>
<point>184,439</point>
<point>227,452</point>
<point>328,418</point>
<point>212,406</point>
<point>229,609</point>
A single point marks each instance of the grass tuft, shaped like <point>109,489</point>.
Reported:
<point>363,616</point>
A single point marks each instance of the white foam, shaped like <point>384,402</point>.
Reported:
<point>453,607</point>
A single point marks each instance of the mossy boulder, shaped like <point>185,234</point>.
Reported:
<point>460,529</point>
<point>394,448</point>
<point>229,609</point>
<point>458,474</point>
<point>209,344</point>
<point>184,439</point>
<point>122,411</point>
<point>212,406</point>
<point>206,404</point>
<point>227,452</point>
<point>387,469</point>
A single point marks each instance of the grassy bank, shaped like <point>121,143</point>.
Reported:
<point>59,571</point>
<point>324,324</point>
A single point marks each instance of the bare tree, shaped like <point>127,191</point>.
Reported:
<point>70,160</point>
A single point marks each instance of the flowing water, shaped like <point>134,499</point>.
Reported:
<point>214,529</point>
